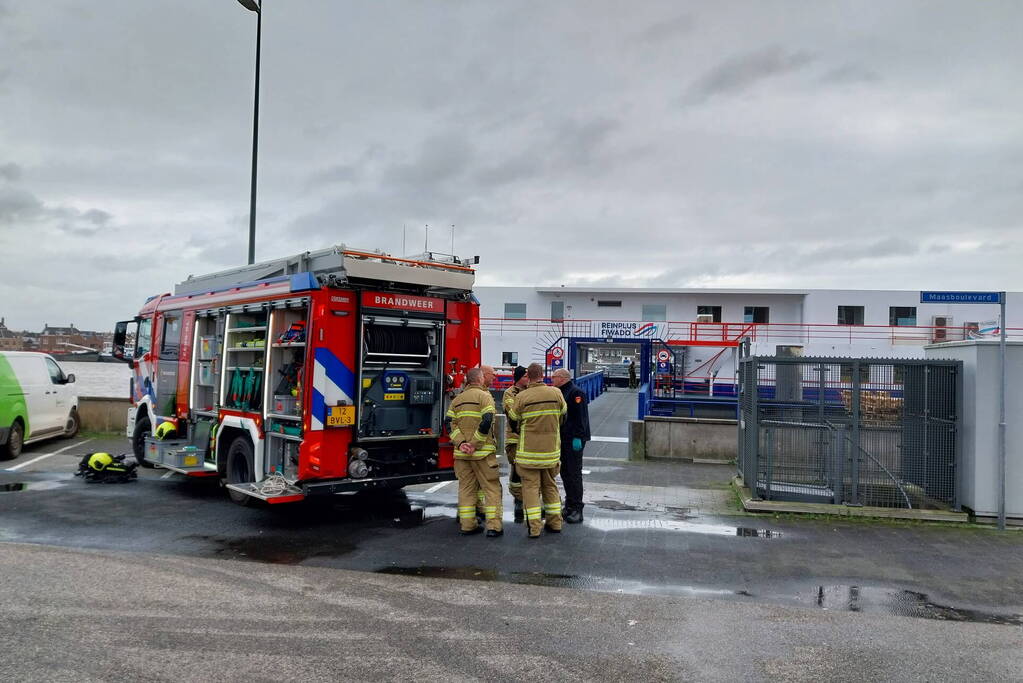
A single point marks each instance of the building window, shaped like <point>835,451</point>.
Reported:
<point>708,314</point>
<point>608,303</point>
<point>557,311</point>
<point>902,316</point>
<point>850,315</point>
<point>516,311</point>
<point>510,358</point>
<point>756,314</point>
<point>655,312</point>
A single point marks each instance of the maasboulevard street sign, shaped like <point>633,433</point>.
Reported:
<point>960,297</point>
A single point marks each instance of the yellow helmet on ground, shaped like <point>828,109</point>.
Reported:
<point>166,430</point>
<point>100,461</point>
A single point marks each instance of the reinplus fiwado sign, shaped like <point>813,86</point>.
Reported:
<point>619,329</point>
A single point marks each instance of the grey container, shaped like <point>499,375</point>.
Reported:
<point>184,457</point>
<point>157,450</point>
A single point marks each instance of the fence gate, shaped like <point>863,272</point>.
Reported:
<point>881,432</point>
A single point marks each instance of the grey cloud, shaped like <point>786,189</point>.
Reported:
<point>18,205</point>
<point>667,30</point>
<point>577,142</point>
<point>744,71</point>
<point>441,158</point>
<point>10,171</point>
<point>97,217</point>
<point>339,174</point>
<point>22,209</point>
<point>849,74</point>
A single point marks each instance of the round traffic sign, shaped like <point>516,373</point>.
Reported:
<point>557,352</point>
<point>663,356</point>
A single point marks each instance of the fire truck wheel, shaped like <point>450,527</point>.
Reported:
<point>240,468</point>
<point>138,440</point>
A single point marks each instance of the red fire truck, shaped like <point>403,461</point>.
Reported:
<point>322,373</point>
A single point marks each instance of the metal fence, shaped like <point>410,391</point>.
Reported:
<point>880,432</point>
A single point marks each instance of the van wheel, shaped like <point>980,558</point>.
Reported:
<point>143,430</point>
<point>240,469</point>
<point>74,423</point>
<point>15,442</point>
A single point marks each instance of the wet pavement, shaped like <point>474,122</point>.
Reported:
<point>651,528</point>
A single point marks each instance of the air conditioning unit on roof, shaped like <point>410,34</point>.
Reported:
<point>940,325</point>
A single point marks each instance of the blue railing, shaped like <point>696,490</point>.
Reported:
<point>642,399</point>
<point>592,384</point>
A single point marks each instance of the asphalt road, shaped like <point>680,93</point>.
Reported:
<point>70,615</point>
<point>177,582</point>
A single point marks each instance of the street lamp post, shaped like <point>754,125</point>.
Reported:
<point>257,7</point>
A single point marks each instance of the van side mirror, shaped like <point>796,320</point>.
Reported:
<point>70,379</point>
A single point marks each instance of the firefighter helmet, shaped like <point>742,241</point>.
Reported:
<point>100,461</point>
<point>166,430</point>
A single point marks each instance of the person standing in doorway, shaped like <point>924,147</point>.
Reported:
<point>537,413</point>
<point>632,374</point>
<point>574,435</point>
<point>511,439</point>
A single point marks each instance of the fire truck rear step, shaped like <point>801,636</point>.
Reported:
<point>291,494</point>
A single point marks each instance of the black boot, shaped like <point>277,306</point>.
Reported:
<point>573,516</point>
<point>519,514</point>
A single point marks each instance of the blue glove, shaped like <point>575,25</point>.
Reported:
<point>577,444</point>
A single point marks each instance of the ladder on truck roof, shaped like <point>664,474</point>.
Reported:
<point>343,265</point>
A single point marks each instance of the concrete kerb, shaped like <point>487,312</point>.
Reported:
<point>751,505</point>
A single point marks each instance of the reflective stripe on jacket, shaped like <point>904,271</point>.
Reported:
<point>466,412</point>
<point>539,411</point>
<point>510,435</point>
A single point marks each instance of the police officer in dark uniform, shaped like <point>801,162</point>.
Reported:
<point>574,435</point>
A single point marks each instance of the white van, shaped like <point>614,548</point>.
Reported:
<point>37,401</point>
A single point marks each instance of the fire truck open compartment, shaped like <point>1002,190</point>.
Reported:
<point>283,390</point>
<point>400,378</point>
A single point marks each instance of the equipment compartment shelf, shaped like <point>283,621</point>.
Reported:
<point>278,416</point>
<point>245,367</point>
<point>261,328</point>
<point>287,437</point>
<point>288,345</point>
<point>246,348</point>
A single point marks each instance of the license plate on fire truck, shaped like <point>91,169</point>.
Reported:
<point>341,416</point>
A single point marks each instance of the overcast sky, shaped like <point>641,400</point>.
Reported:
<point>728,144</point>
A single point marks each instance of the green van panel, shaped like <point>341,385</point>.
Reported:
<point>12,398</point>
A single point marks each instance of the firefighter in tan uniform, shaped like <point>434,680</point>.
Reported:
<point>472,420</point>
<point>511,439</point>
<point>538,411</point>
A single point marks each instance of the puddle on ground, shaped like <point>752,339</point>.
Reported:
<point>273,549</point>
<point>875,600</point>
<point>609,504</point>
<point>680,513</point>
<point>903,603</point>
<point>18,486</point>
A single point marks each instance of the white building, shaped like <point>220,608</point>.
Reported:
<point>583,328</point>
